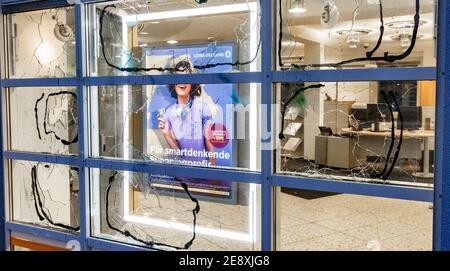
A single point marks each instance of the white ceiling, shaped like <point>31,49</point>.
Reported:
<point>346,8</point>
<point>306,26</point>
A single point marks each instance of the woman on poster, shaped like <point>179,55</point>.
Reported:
<point>186,123</point>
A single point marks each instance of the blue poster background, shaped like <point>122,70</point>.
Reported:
<point>221,94</point>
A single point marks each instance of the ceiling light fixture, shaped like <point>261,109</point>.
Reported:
<point>353,41</point>
<point>297,7</point>
<point>354,36</point>
<point>191,12</point>
<point>292,43</point>
<point>172,41</point>
<point>404,31</point>
<point>405,39</point>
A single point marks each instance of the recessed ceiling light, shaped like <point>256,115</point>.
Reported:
<point>404,24</point>
<point>211,38</point>
<point>172,41</point>
<point>156,22</point>
<point>292,43</point>
<point>143,45</point>
<point>360,32</point>
<point>297,7</point>
<point>143,33</point>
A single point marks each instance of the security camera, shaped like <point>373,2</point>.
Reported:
<point>366,45</point>
<point>62,31</point>
<point>330,14</point>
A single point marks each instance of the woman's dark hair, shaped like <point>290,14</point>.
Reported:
<point>196,89</point>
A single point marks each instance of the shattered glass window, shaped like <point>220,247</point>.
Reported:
<point>183,124</point>
<point>174,213</point>
<point>43,120</point>
<point>150,37</point>
<point>45,195</point>
<point>355,34</point>
<point>324,221</point>
<point>41,43</point>
<point>381,132</point>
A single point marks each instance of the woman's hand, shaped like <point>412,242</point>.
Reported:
<point>167,132</point>
<point>163,126</point>
<point>209,147</point>
<point>212,161</point>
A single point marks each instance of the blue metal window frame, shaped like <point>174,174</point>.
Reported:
<point>267,178</point>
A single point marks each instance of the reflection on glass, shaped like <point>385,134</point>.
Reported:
<point>359,131</point>
<point>45,195</point>
<point>356,34</point>
<point>174,213</point>
<point>43,120</point>
<point>183,124</point>
<point>41,43</point>
<point>150,37</point>
<point>318,221</point>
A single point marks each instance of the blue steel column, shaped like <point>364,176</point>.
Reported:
<point>2,178</point>
<point>84,185</point>
<point>2,162</point>
<point>441,232</point>
<point>266,100</point>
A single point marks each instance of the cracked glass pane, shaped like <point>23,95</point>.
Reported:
<point>183,124</point>
<point>43,120</point>
<point>41,43</point>
<point>175,213</point>
<point>45,195</point>
<point>355,34</point>
<point>150,37</point>
<point>324,221</point>
<point>381,132</point>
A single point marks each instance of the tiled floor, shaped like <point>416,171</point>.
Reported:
<point>306,221</point>
<point>347,222</point>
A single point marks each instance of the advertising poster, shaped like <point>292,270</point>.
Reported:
<point>187,123</point>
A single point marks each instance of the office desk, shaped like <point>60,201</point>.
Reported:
<point>421,134</point>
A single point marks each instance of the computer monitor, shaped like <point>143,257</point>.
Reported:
<point>325,131</point>
<point>412,117</point>
<point>362,116</point>
<point>378,113</point>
